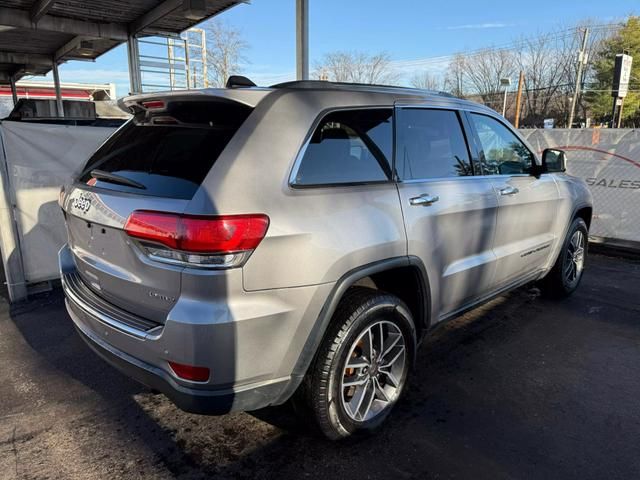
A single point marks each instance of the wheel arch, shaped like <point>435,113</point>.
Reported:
<point>585,212</point>
<point>372,271</point>
<point>581,210</point>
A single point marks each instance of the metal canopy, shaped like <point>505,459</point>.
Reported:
<point>36,35</point>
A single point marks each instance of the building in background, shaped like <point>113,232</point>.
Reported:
<point>46,91</point>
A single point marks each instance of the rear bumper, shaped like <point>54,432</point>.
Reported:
<point>208,402</point>
<point>249,341</point>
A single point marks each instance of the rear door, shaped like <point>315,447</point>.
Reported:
<point>155,162</point>
<point>527,204</point>
<point>450,215</point>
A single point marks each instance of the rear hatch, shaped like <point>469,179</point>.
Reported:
<point>155,162</point>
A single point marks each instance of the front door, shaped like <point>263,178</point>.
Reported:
<point>527,204</point>
<point>450,215</point>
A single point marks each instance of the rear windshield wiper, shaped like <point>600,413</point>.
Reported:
<point>113,178</point>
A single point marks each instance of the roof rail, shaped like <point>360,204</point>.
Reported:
<point>324,84</point>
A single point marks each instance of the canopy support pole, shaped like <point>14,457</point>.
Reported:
<point>56,84</point>
<point>14,93</point>
<point>133,55</point>
<point>302,39</point>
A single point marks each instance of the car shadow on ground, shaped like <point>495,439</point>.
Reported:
<point>47,329</point>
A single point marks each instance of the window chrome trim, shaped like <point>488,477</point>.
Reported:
<point>438,179</point>
<point>428,106</point>
<point>303,149</point>
<point>507,175</point>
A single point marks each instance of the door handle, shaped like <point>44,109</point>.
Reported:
<point>424,200</point>
<point>509,191</point>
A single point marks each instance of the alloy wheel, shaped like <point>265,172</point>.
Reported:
<point>574,263</point>
<point>374,371</point>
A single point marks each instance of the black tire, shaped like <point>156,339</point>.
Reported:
<point>360,309</point>
<point>557,284</point>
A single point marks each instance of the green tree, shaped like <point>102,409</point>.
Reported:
<point>627,38</point>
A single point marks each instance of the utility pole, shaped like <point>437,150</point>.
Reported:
<point>582,60</point>
<point>516,122</point>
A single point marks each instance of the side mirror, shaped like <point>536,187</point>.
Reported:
<point>553,160</point>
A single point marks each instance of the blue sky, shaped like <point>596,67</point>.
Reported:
<point>406,29</point>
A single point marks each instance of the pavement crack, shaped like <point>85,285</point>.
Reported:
<point>14,449</point>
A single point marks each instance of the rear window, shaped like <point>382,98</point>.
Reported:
<point>168,153</point>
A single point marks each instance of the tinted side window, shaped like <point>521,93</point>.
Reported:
<point>504,153</point>
<point>430,145</point>
<point>350,146</point>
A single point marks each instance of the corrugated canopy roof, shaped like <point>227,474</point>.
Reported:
<point>35,33</point>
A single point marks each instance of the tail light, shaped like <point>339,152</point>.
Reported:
<point>223,241</point>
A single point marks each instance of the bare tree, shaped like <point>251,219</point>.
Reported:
<point>426,81</point>
<point>544,65</point>
<point>454,80</point>
<point>484,70</point>
<point>356,67</point>
<point>225,52</point>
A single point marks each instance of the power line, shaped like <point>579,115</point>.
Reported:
<point>552,36</point>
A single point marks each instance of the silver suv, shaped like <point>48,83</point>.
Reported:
<point>234,247</point>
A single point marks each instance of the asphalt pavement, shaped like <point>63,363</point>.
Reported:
<point>522,387</point>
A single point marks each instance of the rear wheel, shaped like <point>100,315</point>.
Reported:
<point>565,276</point>
<point>362,365</point>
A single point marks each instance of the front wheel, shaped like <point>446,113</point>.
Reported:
<point>565,276</point>
<point>362,365</point>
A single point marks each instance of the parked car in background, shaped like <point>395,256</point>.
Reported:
<point>234,248</point>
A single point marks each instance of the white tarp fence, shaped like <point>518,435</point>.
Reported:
<point>38,159</point>
<point>609,161</point>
